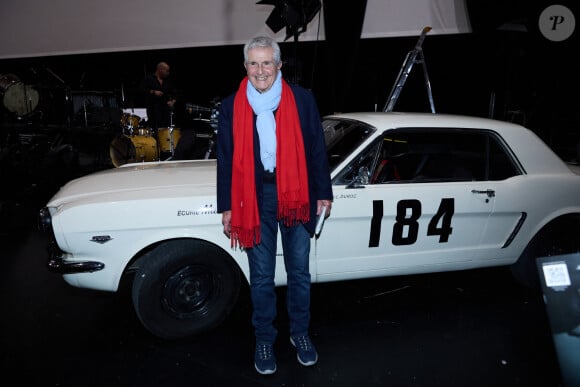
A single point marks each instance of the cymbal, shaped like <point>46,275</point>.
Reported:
<point>191,108</point>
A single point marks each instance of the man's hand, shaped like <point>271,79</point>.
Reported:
<point>227,222</point>
<point>323,203</point>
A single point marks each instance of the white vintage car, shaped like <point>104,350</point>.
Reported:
<point>413,193</point>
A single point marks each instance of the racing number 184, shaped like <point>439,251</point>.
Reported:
<point>406,227</point>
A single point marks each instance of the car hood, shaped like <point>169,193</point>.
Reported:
<point>141,180</point>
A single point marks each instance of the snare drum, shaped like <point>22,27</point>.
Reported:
<point>164,136</point>
<point>131,149</point>
<point>17,97</point>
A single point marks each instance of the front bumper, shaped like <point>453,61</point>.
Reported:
<point>57,264</point>
<point>56,261</point>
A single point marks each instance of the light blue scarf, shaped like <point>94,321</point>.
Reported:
<point>264,105</point>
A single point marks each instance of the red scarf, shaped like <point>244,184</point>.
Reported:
<point>291,175</point>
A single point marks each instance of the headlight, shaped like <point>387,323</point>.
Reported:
<point>44,220</point>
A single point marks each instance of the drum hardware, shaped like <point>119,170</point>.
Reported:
<point>213,119</point>
<point>213,122</point>
<point>170,137</point>
<point>86,121</point>
<point>122,94</point>
<point>210,146</point>
<point>68,99</point>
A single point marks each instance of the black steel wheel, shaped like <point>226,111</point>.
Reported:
<point>184,287</point>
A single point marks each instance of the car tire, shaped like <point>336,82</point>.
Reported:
<point>184,287</point>
<point>558,237</point>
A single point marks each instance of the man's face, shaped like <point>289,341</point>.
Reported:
<point>261,68</point>
<point>164,71</point>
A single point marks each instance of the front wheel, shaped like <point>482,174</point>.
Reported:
<point>184,287</point>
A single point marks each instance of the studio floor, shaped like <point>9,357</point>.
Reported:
<point>473,328</point>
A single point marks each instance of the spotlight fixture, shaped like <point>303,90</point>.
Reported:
<point>292,14</point>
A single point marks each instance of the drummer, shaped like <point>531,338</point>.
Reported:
<point>159,97</point>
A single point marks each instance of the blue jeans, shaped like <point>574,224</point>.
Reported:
<point>262,260</point>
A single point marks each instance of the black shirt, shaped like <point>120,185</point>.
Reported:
<point>158,113</point>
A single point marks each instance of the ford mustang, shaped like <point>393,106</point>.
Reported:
<point>413,193</point>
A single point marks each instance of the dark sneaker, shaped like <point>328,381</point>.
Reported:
<point>305,350</point>
<point>264,359</point>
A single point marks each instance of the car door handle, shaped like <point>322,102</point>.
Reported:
<point>489,192</point>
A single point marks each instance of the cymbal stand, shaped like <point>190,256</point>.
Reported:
<point>210,145</point>
<point>85,113</point>
<point>171,142</point>
<point>67,98</point>
<point>214,125</point>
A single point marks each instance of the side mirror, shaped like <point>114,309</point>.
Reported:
<point>361,178</point>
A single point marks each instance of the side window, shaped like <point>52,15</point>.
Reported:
<point>431,155</point>
<point>501,164</point>
<point>423,155</point>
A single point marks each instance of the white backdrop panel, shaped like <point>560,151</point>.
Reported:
<point>57,27</point>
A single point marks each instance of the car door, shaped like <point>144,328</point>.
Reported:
<point>431,216</point>
<point>392,227</point>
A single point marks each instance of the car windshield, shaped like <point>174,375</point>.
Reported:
<point>342,137</point>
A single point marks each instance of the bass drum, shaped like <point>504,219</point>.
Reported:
<point>17,97</point>
<point>131,149</point>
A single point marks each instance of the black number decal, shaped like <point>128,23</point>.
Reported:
<point>406,227</point>
<point>406,223</point>
<point>376,223</point>
<point>443,215</point>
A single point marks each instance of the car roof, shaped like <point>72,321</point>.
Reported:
<point>532,152</point>
<point>400,119</point>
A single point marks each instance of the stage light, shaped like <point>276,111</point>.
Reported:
<point>294,15</point>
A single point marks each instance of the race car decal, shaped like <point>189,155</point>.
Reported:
<point>207,209</point>
<point>406,227</point>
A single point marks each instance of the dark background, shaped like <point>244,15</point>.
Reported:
<point>504,69</point>
<point>450,329</point>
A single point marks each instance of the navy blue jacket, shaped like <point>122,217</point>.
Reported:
<point>319,184</point>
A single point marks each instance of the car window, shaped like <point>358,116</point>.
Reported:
<point>431,155</point>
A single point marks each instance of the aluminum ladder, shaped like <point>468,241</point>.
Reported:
<point>413,56</point>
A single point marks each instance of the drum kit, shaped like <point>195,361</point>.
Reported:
<point>138,143</point>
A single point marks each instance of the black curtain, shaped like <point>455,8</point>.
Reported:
<point>343,25</point>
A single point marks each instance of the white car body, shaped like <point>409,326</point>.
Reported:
<point>113,217</point>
